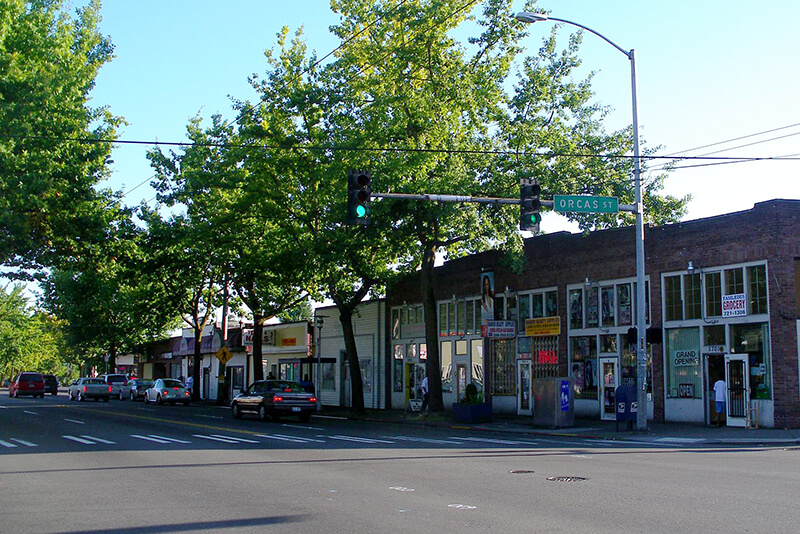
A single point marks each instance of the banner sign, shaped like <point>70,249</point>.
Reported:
<point>543,326</point>
<point>501,329</point>
<point>734,305</point>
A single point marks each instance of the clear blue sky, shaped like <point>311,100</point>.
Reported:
<point>708,71</point>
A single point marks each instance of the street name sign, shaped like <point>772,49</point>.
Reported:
<point>585,204</point>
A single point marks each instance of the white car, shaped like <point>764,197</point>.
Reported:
<point>167,391</point>
<point>117,383</point>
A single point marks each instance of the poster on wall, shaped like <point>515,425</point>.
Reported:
<point>487,297</point>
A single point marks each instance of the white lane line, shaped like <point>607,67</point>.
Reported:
<point>99,440</point>
<point>149,438</point>
<point>23,442</point>
<point>302,427</point>
<point>214,439</point>
<point>211,416</point>
<point>74,421</point>
<point>489,440</point>
<point>356,439</point>
<point>7,444</point>
<point>173,440</point>
<point>424,440</point>
<point>30,412</point>
<point>241,440</point>
<point>331,417</point>
<point>80,440</point>
<point>295,439</point>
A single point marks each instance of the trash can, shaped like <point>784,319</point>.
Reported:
<point>553,402</point>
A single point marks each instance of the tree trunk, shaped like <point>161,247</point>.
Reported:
<point>258,347</point>
<point>197,358</point>
<point>433,369</point>
<point>356,384</point>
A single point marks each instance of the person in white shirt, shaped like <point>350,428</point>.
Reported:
<point>189,383</point>
<point>720,394</point>
<point>424,389</point>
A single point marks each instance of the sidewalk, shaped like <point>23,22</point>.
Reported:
<point>656,433</point>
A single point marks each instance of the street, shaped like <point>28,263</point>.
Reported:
<point>123,467</point>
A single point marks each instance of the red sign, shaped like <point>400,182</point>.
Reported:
<point>547,356</point>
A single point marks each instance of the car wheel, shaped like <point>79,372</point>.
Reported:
<point>262,413</point>
<point>305,417</point>
<point>133,397</point>
<point>121,396</point>
<point>80,397</point>
<point>237,412</point>
<point>145,399</point>
<point>158,399</point>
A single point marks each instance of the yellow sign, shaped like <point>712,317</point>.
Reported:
<point>224,354</point>
<point>543,326</point>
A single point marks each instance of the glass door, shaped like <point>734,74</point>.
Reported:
<point>524,388</point>
<point>609,379</point>
<point>738,383</point>
<point>461,382</point>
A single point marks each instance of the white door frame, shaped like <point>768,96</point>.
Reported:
<point>737,398</point>
<point>524,388</point>
<point>602,363</point>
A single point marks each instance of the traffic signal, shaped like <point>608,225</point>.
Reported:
<point>530,205</point>
<point>359,193</point>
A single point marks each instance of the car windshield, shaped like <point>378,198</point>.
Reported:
<point>173,384</point>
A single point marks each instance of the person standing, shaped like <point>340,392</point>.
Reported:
<point>424,390</point>
<point>720,395</point>
<point>190,383</point>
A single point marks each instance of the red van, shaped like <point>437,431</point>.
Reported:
<point>27,384</point>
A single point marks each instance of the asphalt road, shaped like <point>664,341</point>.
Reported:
<point>123,467</point>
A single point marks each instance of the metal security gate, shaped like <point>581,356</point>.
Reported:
<point>738,380</point>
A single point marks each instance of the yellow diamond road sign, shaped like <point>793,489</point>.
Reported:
<point>224,354</point>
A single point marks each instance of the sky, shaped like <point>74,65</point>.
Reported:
<point>707,72</point>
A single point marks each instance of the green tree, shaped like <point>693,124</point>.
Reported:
<point>54,147</point>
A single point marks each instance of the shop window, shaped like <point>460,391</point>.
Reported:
<point>366,373</point>
<point>551,304</point>
<point>446,357</point>
<point>608,343</point>
<point>461,315</point>
<point>713,283</point>
<point>628,367</point>
<point>673,305</point>
<point>576,308</point>
<point>398,376</point>
<point>399,352</point>
<point>749,339</point>
<point>583,366</point>
<point>607,306</point>
<point>714,335</point>
<point>757,288</point>
<point>443,319</point>
<point>396,323</point>
<point>461,347</point>
<point>470,311</point>
<point>329,376</point>
<point>692,291</point>
<point>505,368</point>
<point>592,307</point>
<point>624,304</point>
<point>684,371</point>
<point>537,301</point>
<point>734,281</point>
<point>451,318</point>
<point>524,302</point>
<point>411,351</point>
<point>476,355</point>
<point>423,351</point>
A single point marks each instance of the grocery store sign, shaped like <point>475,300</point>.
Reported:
<point>734,305</point>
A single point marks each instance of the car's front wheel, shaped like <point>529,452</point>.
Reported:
<point>262,413</point>
<point>132,396</point>
<point>80,397</point>
<point>237,412</point>
<point>158,399</point>
<point>121,396</point>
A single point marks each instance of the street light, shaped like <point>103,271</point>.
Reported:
<point>319,321</point>
<point>641,345</point>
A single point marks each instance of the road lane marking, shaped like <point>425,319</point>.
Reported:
<point>159,439</point>
<point>295,439</point>
<point>80,440</point>
<point>99,440</point>
<point>30,412</point>
<point>7,444</point>
<point>23,442</point>
<point>356,439</point>
<point>489,440</point>
<point>243,440</point>
<point>302,427</point>
<point>224,439</point>
<point>210,416</point>
<point>74,421</point>
<point>424,440</point>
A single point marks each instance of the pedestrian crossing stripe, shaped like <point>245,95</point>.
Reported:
<point>293,439</point>
<point>225,439</point>
<point>88,440</point>
<point>361,440</point>
<point>424,440</point>
<point>489,440</point>
<point>159,439</point>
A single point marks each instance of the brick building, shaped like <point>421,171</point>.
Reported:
<point>722,297</point>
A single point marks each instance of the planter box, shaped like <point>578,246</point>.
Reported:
<point>472,413</point>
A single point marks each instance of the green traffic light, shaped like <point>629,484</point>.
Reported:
<point>361,211</point>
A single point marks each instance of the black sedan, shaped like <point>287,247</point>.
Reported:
<point>275,398</point>
<point>135,389</point>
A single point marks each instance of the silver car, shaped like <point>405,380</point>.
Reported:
<point>167,391</point>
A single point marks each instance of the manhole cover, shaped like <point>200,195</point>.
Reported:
<point>520,472</point>
<point>566,479</point>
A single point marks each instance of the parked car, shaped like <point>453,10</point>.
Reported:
<point>27,384</point>
<point>89,388</point>
<point>135,388</point>
<point>167,390</point>
<point>275,398</point>
<point>51,384</point>
<point>116,381</point>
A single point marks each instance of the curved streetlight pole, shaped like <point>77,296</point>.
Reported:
<point>641,325</point>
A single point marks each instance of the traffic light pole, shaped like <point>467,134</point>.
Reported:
<point>479,200</point>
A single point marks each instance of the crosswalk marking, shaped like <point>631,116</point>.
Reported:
<point>30,412</point>
<point>159,439</point>
<point>294,439</point>
<point>99,440</point>
<point>80,440</point>
<point>424,440</point>
<point>356,439</point>
<point>7,444</point>
<point>74,421</point>
<point>489,440</point>
<point>88,440</point>
<point>225,439</point>
<point>23,442</point>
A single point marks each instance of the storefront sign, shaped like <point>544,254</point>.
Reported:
<point>734,305</point>
<point>685,358</point>
<point>289,342</point>
<point>543,326</point>
<point>714,349</point>
<point>547,357</point>
<point>501,329</point>
<point>686,391</point>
